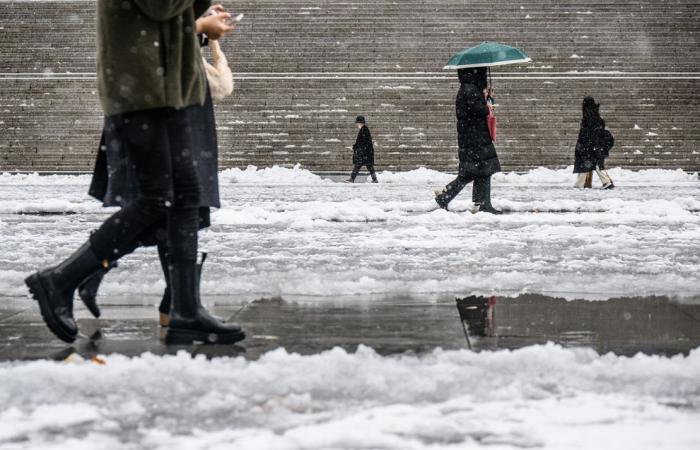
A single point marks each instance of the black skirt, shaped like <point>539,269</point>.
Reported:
<point>114,180</point>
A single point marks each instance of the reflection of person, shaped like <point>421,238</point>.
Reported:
<point>593,146</point>
<point>477,155</point>
<point>117,190</point>
<point>146,80</point>
<point>363,151</point>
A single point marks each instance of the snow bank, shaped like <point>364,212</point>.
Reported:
<point>271,175</point>
<point>417,176</point>
<point>297,176</point>
<point>542,396</point>
<point>303,214</point>
<point>36,179</point>
<point>542,175</point>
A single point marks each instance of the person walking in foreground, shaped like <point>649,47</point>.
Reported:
<point>593,146</point>
<point>116,186</point>
<point>363,151</point>
<point>149,70</point>
<point>477,155</point>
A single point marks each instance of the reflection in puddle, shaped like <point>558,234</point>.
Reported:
<point>477,316</point>
<point>622,325</point>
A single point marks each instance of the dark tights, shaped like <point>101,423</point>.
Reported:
<point>356,170</point>
<point>481,192</point>
<point>159,146</point>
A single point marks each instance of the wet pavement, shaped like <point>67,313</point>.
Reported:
<point>625,326</point>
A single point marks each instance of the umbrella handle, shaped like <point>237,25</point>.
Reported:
<point>489,98</point>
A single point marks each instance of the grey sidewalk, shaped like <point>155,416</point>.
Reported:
<point>624,326</point>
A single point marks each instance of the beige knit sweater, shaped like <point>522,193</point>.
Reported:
<point>218,73</point>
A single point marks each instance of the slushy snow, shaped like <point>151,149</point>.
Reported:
<point>543,397</point>
<point>291,233</point>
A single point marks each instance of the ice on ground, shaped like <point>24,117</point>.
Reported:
<point>540,397</point>
<point>291,233</point>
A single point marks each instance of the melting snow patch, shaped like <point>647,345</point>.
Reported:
<point>544,396</point>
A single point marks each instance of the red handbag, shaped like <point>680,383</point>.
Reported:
<point>493,126</point>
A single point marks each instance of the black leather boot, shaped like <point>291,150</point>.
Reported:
<point>189,321</point>
<point>490,209</point>
<point>449,193</point>
<point>54,288</point>
<point>87,290</point>
<point>441,200</point>
<point>481,196</point>
<point>164,307</point>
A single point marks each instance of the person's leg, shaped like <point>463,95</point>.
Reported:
<point>355,170</point>
<point>589,180</point>
<point>451,191</point>
<point>148,147</point>
<point>604,177</point>
<point>87,290</point>
<point>165,302</point>
<point>581,180</point>
<point>54,288</point>
<point>189,321</point>
<point>183,218</point>
<point>479,188</point>
<point>482,188</point>
<point>373,174</point>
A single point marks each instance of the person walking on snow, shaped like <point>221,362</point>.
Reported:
<point>363,151</point>
<point>113,180</point>
<point>593,146</point>
<point>149,69</point>
<point>477,155</point>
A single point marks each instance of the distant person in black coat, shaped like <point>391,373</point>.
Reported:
<point>477,155</point>
<point>363,151</point>
<point>593,146</point>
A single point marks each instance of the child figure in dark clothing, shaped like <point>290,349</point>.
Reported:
<point>363,151</point>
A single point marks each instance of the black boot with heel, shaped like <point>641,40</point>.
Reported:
<point>191,322</point>
<point>54,288</point>
<point>87,290</point>
<point>481,196</point>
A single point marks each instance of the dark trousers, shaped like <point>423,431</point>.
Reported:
<point>356,170</point>
<point>481,191</point>
<point>159,146</point>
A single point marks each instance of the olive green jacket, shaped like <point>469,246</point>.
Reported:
<point>148,54</point>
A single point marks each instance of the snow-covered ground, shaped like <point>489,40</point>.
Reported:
<point>542,397</point>
<point>289,232</point>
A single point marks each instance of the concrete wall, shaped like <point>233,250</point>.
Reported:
<point>305,68</point>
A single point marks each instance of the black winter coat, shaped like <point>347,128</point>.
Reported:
<point>590,147</point>
<point>363,150</point>
<point>114,180</point>
<point>477,154</point>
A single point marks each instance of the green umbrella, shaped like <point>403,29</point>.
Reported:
<point>487,54</point>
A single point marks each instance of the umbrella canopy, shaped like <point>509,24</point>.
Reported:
<point>488,54</point>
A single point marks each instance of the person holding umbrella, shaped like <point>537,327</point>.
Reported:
<point>476,128</point>
<point>477,155</point>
